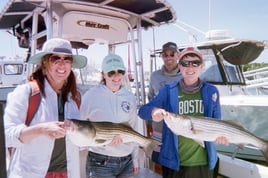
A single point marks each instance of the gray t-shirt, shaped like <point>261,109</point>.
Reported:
<point>158,79</point>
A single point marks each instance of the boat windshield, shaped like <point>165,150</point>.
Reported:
<point>233,73</point>
<point>13,69</point>
<point>219,72</point>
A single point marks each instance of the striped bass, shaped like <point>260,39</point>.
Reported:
<point>203,129</point>
<point>92,134</point>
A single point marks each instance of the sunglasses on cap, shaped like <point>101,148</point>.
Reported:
<point>57,59</point>
<point>195,63</point>
<point>112,73</point>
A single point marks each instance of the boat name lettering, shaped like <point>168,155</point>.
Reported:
<point>93,24</point>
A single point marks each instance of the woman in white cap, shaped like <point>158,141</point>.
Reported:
<point>40,149</point>
<point>111,101</point>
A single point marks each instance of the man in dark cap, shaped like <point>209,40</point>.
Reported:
<point>169,71</point>
<point>167,74</point>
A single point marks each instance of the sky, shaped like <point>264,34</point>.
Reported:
<point>245,19</point>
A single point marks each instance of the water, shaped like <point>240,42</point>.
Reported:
<point>253,119</point>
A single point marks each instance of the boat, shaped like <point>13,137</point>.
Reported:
<point>12,73</point>
<point>116,23</point>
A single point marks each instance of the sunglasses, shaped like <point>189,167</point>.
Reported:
<point>58,59</point>
<point>194,63</point>
<point>168,55</point>
<point>112,73</point>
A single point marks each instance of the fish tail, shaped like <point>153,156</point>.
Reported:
<point>265,151</point>
<point>150,147</point>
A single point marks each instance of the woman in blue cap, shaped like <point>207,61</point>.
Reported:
<point>111,101</point>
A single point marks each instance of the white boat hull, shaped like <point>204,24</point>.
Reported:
<point>237,168</point>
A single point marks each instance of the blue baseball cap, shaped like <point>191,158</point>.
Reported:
<point>112,62</point>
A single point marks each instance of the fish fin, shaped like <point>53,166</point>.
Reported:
<point>196,131</point>
<point>241,146</point>
<point>200,142</point>
<point>100,141</point>
<point>125,124</point>
<point>235,122</point>
<point>150,147</point>
<point>265,154</point>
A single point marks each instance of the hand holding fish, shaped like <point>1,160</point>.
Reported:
<point>53,130</point>
<point>222,140</point>
<point>136,170</point>
<point>116,141</point>
<point>158,114</point>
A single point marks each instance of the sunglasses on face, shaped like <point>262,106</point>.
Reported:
<point>168,55</point>
<point>58,59</point>
<point>194,63</point>
<point>112,73</point>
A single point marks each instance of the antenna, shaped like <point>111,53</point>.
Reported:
<point>180,24</point>
<point>209,14</point>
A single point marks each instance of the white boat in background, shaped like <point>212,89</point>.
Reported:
<point>120,22</point>
<point>12,73</point>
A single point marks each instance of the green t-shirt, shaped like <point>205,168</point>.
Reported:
<point>191,153</point>
<point>58,161</point>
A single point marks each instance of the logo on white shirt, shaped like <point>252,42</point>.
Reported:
<point>125,106</point>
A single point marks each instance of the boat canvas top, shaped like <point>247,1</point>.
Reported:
<point>237,52</point>
<point>234,51</point>
<point>85,21</point>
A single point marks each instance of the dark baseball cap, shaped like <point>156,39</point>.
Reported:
<point>171,46</point>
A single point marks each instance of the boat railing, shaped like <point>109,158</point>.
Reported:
<point>256,78</point>
<point>263,70</point>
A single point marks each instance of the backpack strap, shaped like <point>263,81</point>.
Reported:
<point>34,102</point>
